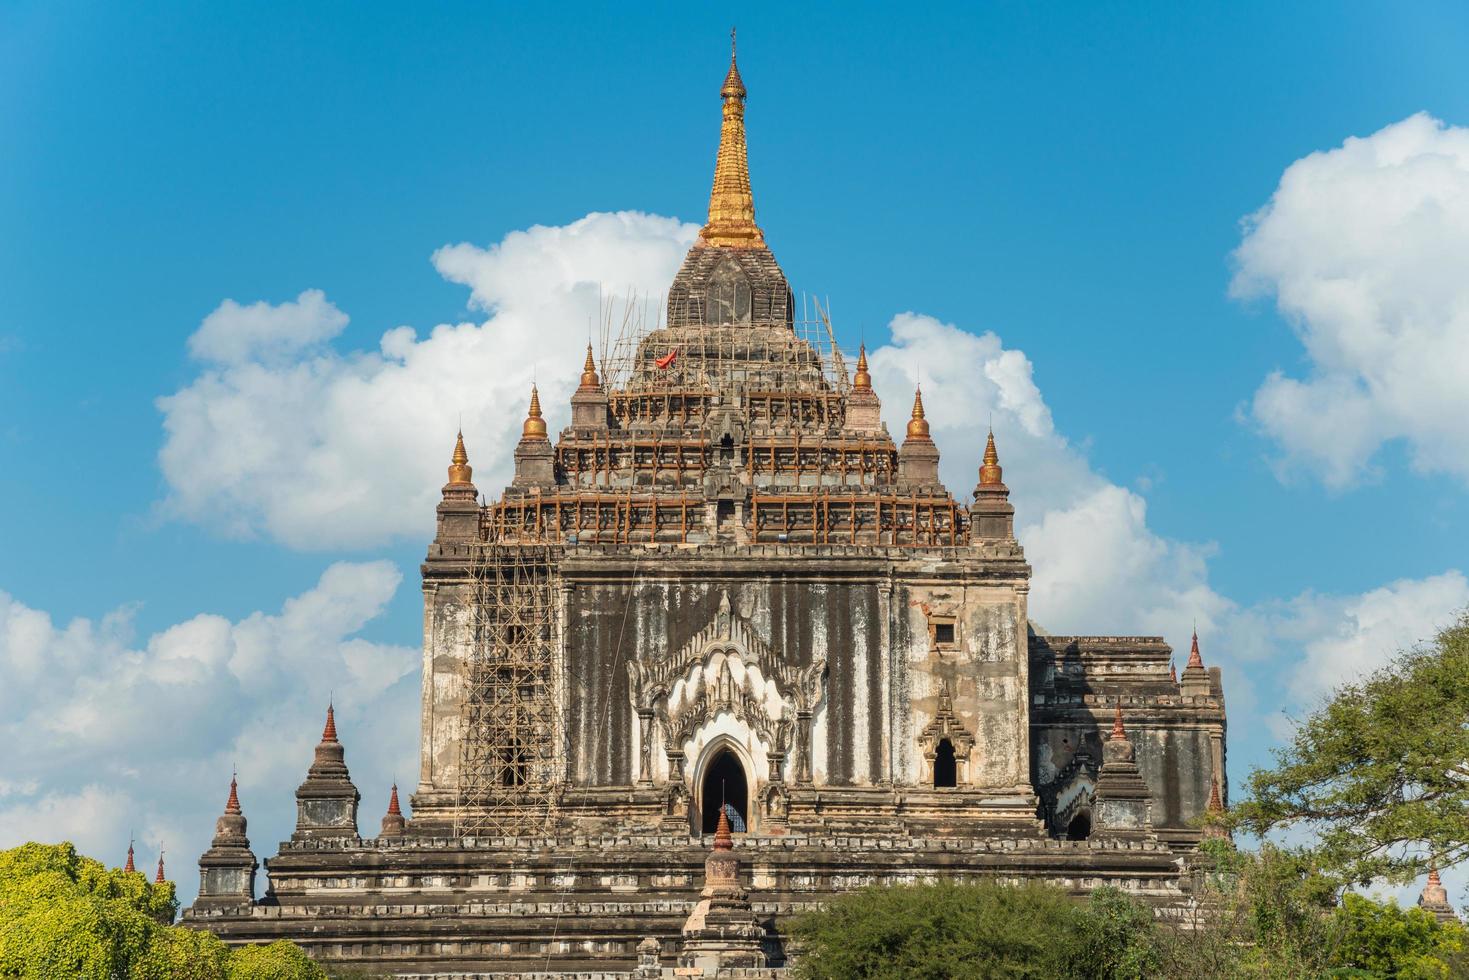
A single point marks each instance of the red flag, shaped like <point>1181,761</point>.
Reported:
<point>663,362</point>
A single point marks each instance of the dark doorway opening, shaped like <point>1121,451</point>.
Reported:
<point>1080,827</point>
<point>945,771</point>
<point>724,782</point>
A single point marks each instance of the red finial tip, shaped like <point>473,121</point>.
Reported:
<point>329,733</point>
<point>1117,730</point>
<point>232,805</point>
<point>1194,660</point>
<point>130,866</point>
<point>1433,878</point>
<point>723,840</point>
<point>393,802</point>
<point>1172,672</point>
<point>158,878</point>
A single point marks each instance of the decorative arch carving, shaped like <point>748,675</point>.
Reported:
<point>946,727</point>
<point>725,669</point>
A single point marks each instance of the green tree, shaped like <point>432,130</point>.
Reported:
<point>68,917</point>
<point>975,930</point>
<point>1387,941</point>
<point>280,960</point>
<point>1117,938</point>
<point>1380,774</point>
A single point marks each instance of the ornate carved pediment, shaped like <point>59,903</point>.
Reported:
<point>946,725</point>
<point>726,668</point>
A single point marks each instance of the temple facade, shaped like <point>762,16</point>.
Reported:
<point>725,606</point>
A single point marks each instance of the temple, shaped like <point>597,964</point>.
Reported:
<point>722,649</point>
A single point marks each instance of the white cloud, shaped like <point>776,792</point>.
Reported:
<point>1363,249</point>
<point>283,435</point>
<point>234,333</point>
<point>1331,639</point>
<point>112,737</point>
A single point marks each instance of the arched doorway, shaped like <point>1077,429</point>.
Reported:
<point>724,782</point>
<point>1080,827</point>
<point>945,770</point>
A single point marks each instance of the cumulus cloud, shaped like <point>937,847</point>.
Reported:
<point>108,736</point>
<point>317,447</point>
<point>1362,248</point>
<point>1331,639</point>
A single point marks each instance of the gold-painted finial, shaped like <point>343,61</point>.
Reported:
<point>862,381</point>
<point>460,471</point>
<point>731,205</point>
<point>990,472</point>
<point>918,425</point>
<point>535,426</point>
<point>589,377</point>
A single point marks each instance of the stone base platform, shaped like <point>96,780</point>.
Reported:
<point>457,907</point>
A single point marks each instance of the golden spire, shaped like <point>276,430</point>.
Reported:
<point>862,381</point>
<point>535,426</point>
<point>731,205</point>
<point>990,472</point>
<point>459,470</point>
<point>589,377</point>
<point>918,425</point>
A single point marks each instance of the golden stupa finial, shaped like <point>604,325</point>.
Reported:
<point>459,469</point>
<point>918,425</point>
<point>535,426</point>
<point>731,205</point>
<point>589,377</point>
<point>862,381</point>
<point>990,472</point>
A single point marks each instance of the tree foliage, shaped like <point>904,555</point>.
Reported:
<point>976,930</point>
<point>1266,915</point>
<point>1379,774</point>
<point>64,916</point>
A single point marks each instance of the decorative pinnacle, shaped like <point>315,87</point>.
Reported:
<point>535,426</point>
<point>731,204</point>
<point>1194,659</point>
<point>589,377</point>
<point>158,878</point>
<point>1117,730</point>
<point>1433,879</point>
<point>862,381</point>
<point>918,425</point>
<point>1216,804</point>
<point>329,733</point>
<point>734,86</point>
<point>232,805</point>
<point>990,472</point>
<point>393,803</point>
<point>130,866</point>
<point>1172,672</point>
<point>723,839</point>
<point>459,469</point>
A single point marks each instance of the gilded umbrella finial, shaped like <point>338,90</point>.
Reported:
<point>459,469</point>
<point>990,472</point>
<point>918,425</point>
<point>535,426</point>
<point>862,380</point>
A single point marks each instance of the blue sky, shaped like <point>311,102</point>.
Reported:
<point>1072,179</point>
